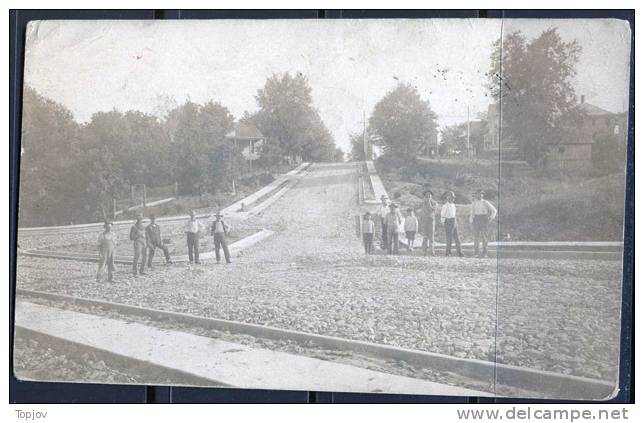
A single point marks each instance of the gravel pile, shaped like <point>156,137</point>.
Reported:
<point>312,276</point>
<point>36,361</point>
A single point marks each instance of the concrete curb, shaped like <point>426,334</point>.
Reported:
<point>377,186</point>
<point>528,253</point>
<point>218,360</point>
<point>236,207</point>
<point>121,362</point>
<point>266,203</point>
<point>544,383</point>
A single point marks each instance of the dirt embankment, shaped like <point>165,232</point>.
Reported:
<point>532,207</point>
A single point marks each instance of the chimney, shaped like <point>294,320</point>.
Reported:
<point>583,99</point>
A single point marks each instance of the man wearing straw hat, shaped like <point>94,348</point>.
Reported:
<point>219,232</point>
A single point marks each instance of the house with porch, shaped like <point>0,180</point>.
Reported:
<point>570,156</point>
<point>575,155</point>
<point>249,139</point>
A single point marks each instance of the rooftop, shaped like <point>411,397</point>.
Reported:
<point>592,110</point>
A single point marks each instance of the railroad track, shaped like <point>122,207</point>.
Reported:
<point>482,376</point>
<point>261,196</point>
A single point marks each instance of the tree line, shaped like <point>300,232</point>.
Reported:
<point>530,80</point>
<point>71,172</point>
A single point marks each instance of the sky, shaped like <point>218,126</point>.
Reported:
<point>91,66</point>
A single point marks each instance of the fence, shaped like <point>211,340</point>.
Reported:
<point>141,195</point>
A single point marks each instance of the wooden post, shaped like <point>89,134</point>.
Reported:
<point>365,146</point>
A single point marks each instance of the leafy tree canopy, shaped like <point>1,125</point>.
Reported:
<point>533,80</point>
<point>402,122</point>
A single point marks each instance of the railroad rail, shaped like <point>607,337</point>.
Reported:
<point>235,248</point>
<point>485,375</point>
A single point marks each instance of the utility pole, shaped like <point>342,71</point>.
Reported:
<point>469,155</point>
<point>364,137</point>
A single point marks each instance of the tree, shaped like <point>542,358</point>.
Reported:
<point>357,147</point>
<point>204,158</point>
<point>532,80</point>
<point>337,155</point>
<point>73,173</point>
<point>402,122</point>
<point>138,142</point>
<point>454,138</point>
<point>49,181</point>
<point>104,183</point>
<point>288,116</point>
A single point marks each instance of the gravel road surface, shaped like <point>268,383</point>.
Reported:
<point>312,275</point>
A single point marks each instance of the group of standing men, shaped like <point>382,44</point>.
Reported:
<point>393,224</point>
<point>146,239</point>
<point>219,231</point>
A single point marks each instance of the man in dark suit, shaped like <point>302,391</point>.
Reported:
<point>154,241</point>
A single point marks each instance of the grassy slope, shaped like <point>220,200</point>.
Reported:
<point>532,207</point>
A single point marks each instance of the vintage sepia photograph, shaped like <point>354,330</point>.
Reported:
<point>399,206</point>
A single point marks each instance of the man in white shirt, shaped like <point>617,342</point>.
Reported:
<point>448,218</point>
<point>481,213</point>
<point>192,229</point>
<point>383,210</point>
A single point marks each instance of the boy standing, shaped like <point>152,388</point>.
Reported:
<point>106,248</point>
<point>137,235</point>
<point>481,213</point>
<point>448,218</point>
<point>411,227</point>
<point>368,228</point>
<point>219,231</point>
